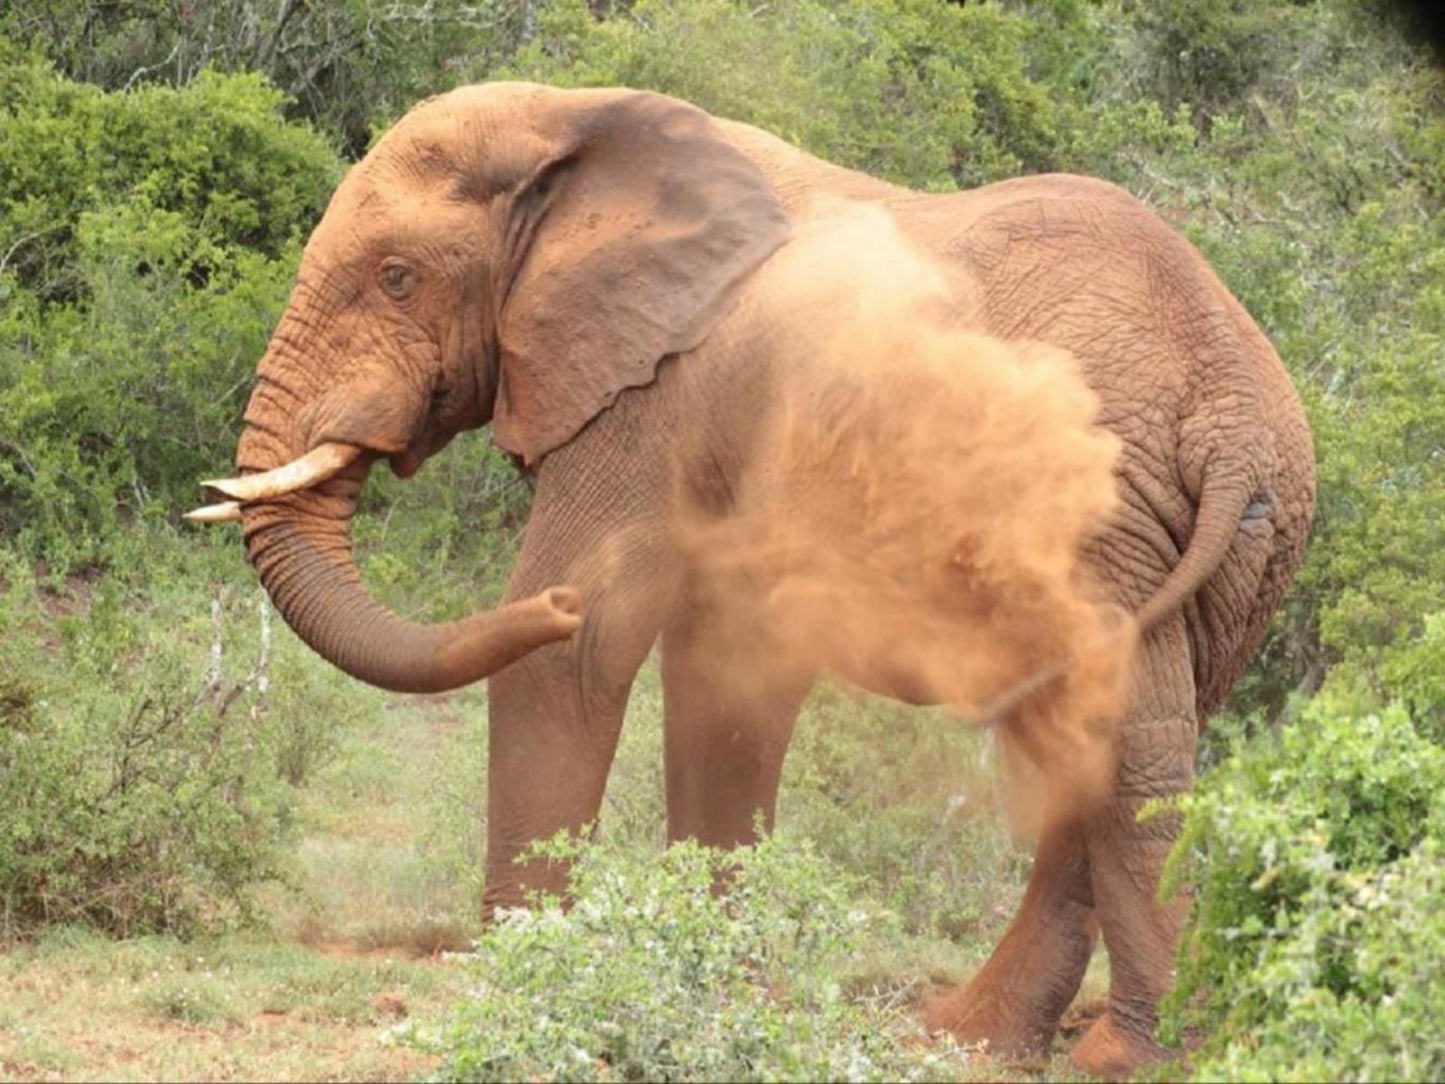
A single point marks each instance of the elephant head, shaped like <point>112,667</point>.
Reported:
<point>506,253</point>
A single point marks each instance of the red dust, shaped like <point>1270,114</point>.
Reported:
<point>916,518</point>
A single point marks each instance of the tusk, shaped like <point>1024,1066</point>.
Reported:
<point>230,512</point>
<point>317,465</point>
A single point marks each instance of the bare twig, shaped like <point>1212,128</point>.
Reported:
<point>147,68</point>
<point>268,54</point>
<point>22,239</point>
<point>20,454</point>
<point>263,660</point>
<point>260,676</point>
<point>211,677</point>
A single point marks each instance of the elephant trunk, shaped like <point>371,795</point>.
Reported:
<point>300,544</point>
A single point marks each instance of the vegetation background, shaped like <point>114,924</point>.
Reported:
<point>236,857</point>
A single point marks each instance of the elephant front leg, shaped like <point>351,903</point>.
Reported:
<point>1156,748</point>
<point>730,705</point>
<point>557,713</point>
<point>553,735</point>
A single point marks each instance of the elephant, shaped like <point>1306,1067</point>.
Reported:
<point>619,283</point>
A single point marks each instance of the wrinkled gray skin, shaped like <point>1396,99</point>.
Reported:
<point>588,271</point>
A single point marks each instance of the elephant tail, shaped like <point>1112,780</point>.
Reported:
<point>1221,507</point>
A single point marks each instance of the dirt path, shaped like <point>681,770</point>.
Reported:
<point>78,1007</point>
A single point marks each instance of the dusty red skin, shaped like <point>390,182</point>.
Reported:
<point>531,256</point>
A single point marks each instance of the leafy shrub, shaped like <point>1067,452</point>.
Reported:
<point>342,66</point>
<point>1206,52</point>
<point>654,976</point>
<point>110,411</point>
<point>1417,674</point>
<point>150,242</point>
<point>1313,944</point>
<point>932,95</point>
<point>146,782</point>
<point>216,154</point>
<point>148,263</point>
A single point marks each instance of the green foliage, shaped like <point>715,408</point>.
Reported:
<point>146,780</point>
<point>926,94</point>
<point>151,209</point>
<point>1206,53</point>
<point>1416,673</point>
<point>344,65</point>
<point>151,240</point>
<point>1314,940</point>
<point>110,412</point>
<point>652,975</point>
<point>215,154</point>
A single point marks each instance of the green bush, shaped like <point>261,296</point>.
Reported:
<point>932,95</point>
<point>1416,673</point>
<point>652,975</point>
<point>111,411</point>
<point>147,776</point>
<point>1315,937</point>
<point>1207,53</point>
<point>215,154</point>
<point>151,241</point>
<point>343,65</point>
<point>149,262</point>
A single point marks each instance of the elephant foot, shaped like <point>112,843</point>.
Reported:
<point>1081,1016</point>
<point>980,1014</point>
<point>1110,1051</point>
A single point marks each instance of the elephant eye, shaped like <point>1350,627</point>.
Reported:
<point>398,280</point>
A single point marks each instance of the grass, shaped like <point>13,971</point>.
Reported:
<point>387,877</point>
<point>391,858</point>
<point>350,952</point>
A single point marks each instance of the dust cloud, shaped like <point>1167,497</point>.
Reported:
<point>915,512</point>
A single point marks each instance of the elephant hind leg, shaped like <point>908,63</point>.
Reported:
<point>1155,759</point>
<point>1014,1004</point>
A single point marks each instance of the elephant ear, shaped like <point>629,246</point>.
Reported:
<point>634,241</point>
